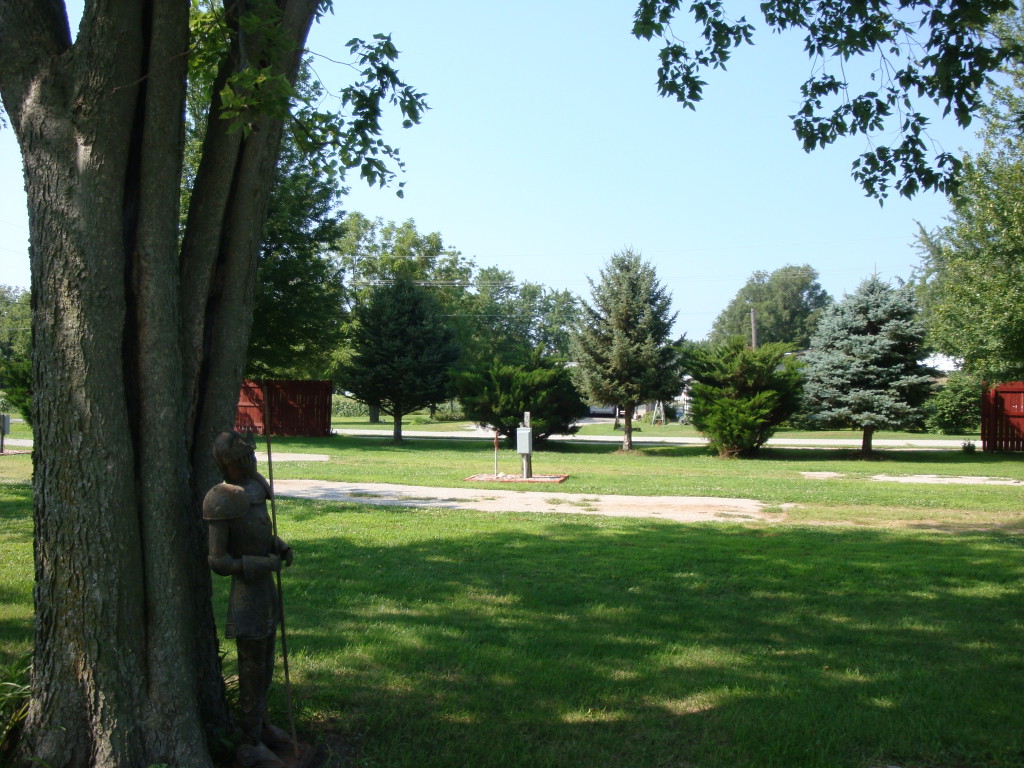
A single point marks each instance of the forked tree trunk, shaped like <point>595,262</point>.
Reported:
<point>138,354</point>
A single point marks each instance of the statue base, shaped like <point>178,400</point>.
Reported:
<point>288,757</point>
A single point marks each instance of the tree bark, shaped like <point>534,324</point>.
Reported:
<point>865,443</point>
<point>627,428</point>
<point>138,354</point>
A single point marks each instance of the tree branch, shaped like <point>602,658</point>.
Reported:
<point>32,33</point>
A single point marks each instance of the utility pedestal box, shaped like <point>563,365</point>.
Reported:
<point>524,440</point>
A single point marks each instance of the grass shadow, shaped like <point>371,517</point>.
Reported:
<point>597,643</point>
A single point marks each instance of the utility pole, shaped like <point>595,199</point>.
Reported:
<point>753,328</point>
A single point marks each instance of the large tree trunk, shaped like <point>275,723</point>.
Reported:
<point>627,429</point>
<point>127,394</point>
<point>865,443</point>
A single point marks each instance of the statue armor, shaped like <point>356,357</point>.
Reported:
<point>243,546</point>
<point>242,511</point>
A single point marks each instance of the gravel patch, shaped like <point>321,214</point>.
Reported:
<point>684,509</point>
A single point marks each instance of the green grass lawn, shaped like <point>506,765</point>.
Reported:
<point>776,478</point>
<point>419,422</point>
<point>888,636</point>
<point>448,638</point>
<point>19,429</point>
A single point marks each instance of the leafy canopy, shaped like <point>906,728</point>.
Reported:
<point>786,302</point>
<point>16,348</point>
<point>931,51</point>
<point>971,279</point>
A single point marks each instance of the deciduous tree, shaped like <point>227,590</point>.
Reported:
<point>955,407</point>
<point>139,337</point>
<point>506,320</point>
<point>621,347</point>
<point>16,348</point>
<point>786,305</point>
<point>863,369</point>
<point>971,280</point>
<point>933,51</point>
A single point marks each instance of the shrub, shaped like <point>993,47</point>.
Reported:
<point>496,398</point>
<point>448,411</point>
<point>955,408</point>
<point>346,407</point>
<point>740,395</point>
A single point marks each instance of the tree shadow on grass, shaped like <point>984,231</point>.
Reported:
<point>610,643</point>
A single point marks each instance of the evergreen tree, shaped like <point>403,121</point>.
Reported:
<point>786,303</point>
<point>739,395</point>
<point>498,397</point>
<point>621,347</point>
<point>863,369</point>
<point>402,351</point>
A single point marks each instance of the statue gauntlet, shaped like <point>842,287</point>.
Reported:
<point>254,566</point>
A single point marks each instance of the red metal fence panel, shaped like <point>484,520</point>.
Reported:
<point>1002,417</point>
<point>297,408</point>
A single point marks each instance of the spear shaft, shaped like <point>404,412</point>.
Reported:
<point>280,590</point>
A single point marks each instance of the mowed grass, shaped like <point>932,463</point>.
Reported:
<point>777,479</point>
<point>889,636</point>
<point>448,638</point>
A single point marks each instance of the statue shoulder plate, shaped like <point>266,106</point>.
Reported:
<point>225,501</point>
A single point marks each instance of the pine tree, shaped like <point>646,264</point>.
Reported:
<point>402,351</point>
<point>621,347</point>
<point>863,369</point>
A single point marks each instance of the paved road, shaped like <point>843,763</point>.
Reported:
<point>637,438</point>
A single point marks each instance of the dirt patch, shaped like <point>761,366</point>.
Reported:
<point>923,479</point>
<point>678,508</point>
<point>946,479</point>
<point>501,477</point>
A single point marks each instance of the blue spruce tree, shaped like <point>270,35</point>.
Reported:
<point>863,369</point>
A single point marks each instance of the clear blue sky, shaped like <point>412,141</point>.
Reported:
<point>547,148</point>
